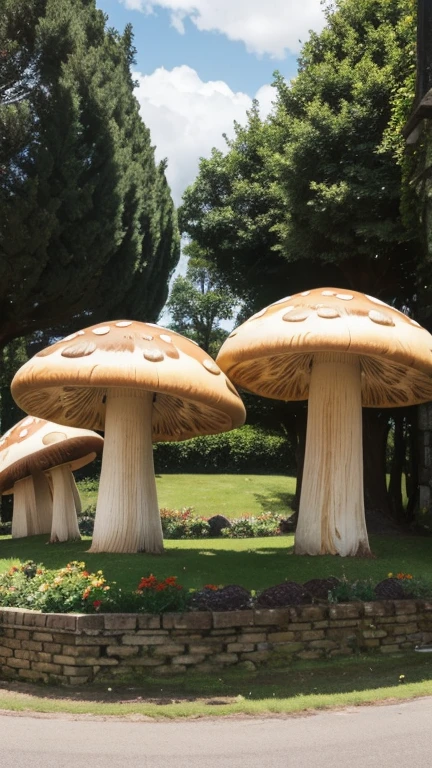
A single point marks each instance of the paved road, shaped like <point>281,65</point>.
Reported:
<point>393,736</point>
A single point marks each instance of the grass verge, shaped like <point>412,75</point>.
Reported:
<point>302,687</point>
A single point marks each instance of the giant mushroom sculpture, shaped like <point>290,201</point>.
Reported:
<point>339,349</point>
<point>28,452</point>
<point>138,382</point>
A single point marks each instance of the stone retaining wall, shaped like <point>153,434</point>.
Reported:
<point>76,649</point>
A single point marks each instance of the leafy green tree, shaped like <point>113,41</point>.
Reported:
<point>79,189</point>
<point>199,302</point>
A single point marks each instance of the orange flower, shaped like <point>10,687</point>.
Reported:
<point>86,593</point>
<point>171,581</point>
<point>160,587</point>
<point>211,586</point>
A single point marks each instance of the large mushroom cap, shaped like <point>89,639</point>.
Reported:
<point>271,353</point>
<point>68,381</point>
<point>38,445</point>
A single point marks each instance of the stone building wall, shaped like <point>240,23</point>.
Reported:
<point>78,649</point>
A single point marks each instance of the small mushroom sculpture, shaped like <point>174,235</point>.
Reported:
<point>37,458</point>
<point>339,349</point>
<point>139,383</point>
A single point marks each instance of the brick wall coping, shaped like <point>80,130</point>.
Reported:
<point>78,622</point>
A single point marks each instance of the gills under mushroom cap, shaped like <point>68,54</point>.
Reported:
<point>36,445</point>
<point>271,353</point>
<point>68,382</point>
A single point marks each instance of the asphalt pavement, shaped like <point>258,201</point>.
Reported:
<point>383,736</point>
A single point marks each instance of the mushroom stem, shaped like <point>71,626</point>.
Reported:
<point>331,513</point>
<point>64,520</point>
<point>44,503</point>
<point>127,512</point>
<point>75,491</point>
<point>24,509</point>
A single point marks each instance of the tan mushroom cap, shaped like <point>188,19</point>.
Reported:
<point>68,381</point>
<point>38,445</point>
<point>271,353</point>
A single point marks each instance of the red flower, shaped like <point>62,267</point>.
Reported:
<point>214,587</point>
<point>97,604</point>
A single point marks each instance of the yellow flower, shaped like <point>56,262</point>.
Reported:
<point>43,587</point>
<point>390,575</point>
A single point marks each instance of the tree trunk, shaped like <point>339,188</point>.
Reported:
<point>397,467</point>
<point>375,433</point>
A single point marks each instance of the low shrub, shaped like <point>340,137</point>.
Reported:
<point>213,598</point>
<point>248,527</point>
<point>247,449</point>
<point>182,524</point>
<point>347,591</point>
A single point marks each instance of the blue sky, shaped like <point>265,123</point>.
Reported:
<point>199,63</point>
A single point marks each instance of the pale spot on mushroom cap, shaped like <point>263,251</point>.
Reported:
<point>305,293</point>
<point>211,366</point>
<point>23,433</point>
<point>54,437</point>
<point>147,337</point>
<point>27,421</point>
<point>70,337</point>
<point>101,331</point>
<point>153,355</point>
<point>328,293</point>
<point>258,314</point>
<point>344,296</point>
<point>380,318</point>
<point>295,317</point>
<point>166,338</point>
<point>328,312</point>
<point>172,352</point>
<point>82,349</point>
<point>414,322</point>
<point>124,323</point>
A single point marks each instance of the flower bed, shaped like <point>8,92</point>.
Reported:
<point>162,629</point>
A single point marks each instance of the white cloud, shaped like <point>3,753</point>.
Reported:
<point>187,117</point>
<point>272,27</point>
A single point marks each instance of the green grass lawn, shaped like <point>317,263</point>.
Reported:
<point>230,495</point>
<point>253,563</point>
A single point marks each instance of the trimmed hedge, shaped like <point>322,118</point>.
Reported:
<point>247,449</point>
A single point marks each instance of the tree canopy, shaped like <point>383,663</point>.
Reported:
<point>199,302</point>
<point>88,226</point>
<point>311,195</point>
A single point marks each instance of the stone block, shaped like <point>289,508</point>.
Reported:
<point>313,634</point>
<point>19,654</point>
<point>189,659</point>
<point>120,621</point>
<point>31,645</point>
<point>346,611</point>
<point>85,673</point>
<point>326,645</point>
<point>169,650</point>
<point>255,656</point>
<point>34,619</point>
<point>123,651</point>
<point>5,652</point>
<point>379,608</point>
<point>233,619</point>
<point>65,621</point>
<point>42,637</point>
<point>51,647</point>
<point>33,675</point>
<point>144,639</point>
<point>404,607</point>
<point>80,650</point>
<point>12,661</point>
<point>225,658</point>
<point>317,654</point>
<point>22,634</point>
<point>142,661</point>
<point>43,666</point>
<point>206,648</point>
<point>278,617</point>
<point>370,633</point>
<point>148,621</point>
<point>239,647</point>
<point>280,637</point>
<point>92,622</point>
<point>193,620</point>
<point>312,613</point>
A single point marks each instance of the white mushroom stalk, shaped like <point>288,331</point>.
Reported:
<point>64,518</point>
<point>127,512</point>
<point>44,502</point>
<point>331,514</point>
<point>24,509</point>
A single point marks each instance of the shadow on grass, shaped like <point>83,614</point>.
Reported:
<point>324,677</point>
<point>276,501</point>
